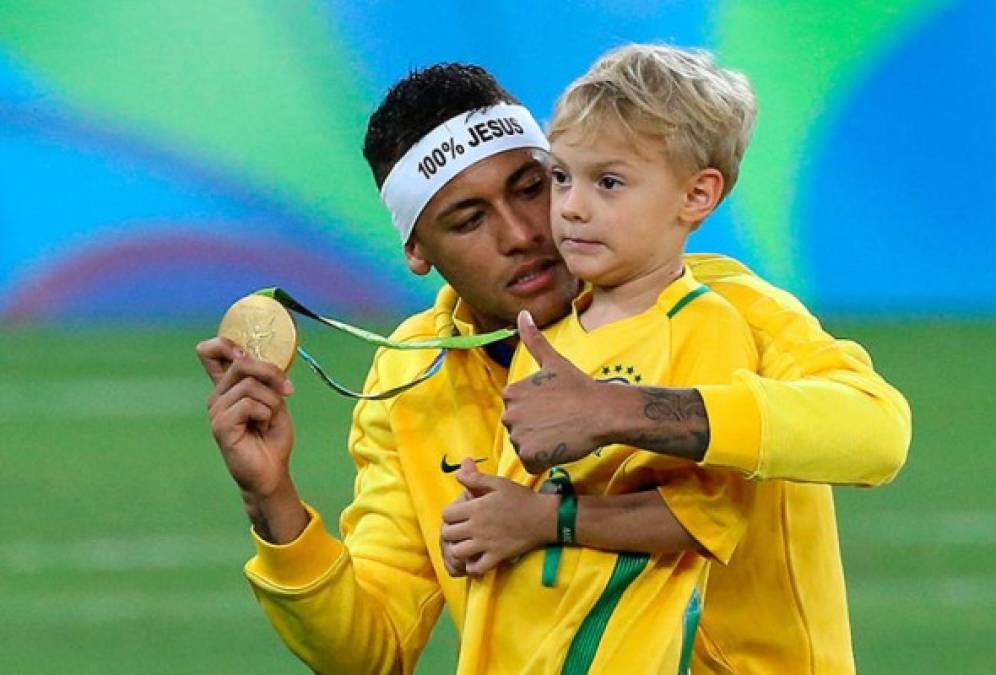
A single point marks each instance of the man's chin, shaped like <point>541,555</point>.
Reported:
<point>550,307</point>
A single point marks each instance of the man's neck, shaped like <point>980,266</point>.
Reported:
<point>502,352</point>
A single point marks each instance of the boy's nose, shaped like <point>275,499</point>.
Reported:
<point>572,207</point>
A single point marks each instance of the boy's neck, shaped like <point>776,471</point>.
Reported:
<point>615,303</point>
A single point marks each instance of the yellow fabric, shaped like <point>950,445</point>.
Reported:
<point>296,565</point>
<point>705,342</point>
<point>804,373</point>
<point>373,607</point>
<point>780,605</point>
<point>368,606</point>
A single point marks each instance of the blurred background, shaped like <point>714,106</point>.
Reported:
<point>160,159</point>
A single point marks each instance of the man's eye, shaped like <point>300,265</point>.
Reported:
<point>533,188</point>
<point>469,223</point>
<point>609,182</point>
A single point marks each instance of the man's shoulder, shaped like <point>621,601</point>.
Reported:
<point>416,326</point>
<point>740,286</point>
<point>395,366</point>
<point>431,322</point>
<point>715,266</point>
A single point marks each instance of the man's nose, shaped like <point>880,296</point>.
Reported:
<point>518,232</point>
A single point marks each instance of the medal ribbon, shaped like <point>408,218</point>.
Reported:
<point>443,344</point>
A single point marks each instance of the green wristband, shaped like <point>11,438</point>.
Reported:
<point>559,483</point>
<point>567,516</point>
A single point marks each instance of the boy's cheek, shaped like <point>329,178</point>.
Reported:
<point>554,210</point>
<point>557,222</point>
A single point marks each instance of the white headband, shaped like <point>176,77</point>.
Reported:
<point>450,148</point>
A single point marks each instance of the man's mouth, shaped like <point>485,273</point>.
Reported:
<point>534,277</point>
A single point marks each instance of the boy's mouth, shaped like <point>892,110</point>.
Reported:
<point>578,245</point>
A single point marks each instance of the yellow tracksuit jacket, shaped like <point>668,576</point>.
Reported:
<point>367,604</point>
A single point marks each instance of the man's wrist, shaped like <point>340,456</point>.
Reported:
<point>664,420</point>
<point>611,406</point>
<point>279,516</point>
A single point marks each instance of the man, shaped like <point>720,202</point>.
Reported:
<point>368,603</point>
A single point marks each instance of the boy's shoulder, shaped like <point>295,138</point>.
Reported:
<point>711,313</point>
<point>703,304</point>
<point>710,339</point>
<point>711,325</point>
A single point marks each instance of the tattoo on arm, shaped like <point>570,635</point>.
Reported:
<point>682,426</point>
<point>262,528</point>
<point>259,522</point>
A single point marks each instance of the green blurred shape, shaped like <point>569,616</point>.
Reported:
<point>266,90</point>
<point>804,59</point>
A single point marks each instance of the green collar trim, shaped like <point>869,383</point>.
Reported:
<point>688,297</point>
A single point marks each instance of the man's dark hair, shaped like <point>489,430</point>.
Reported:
<point>421,102</point>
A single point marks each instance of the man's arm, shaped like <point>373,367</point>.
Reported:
<point>560,414</point>
<point>366,604</point>
<point>255,433</point>
<point>816,411</point>
<point>691,509</point>
<point>327,599</point>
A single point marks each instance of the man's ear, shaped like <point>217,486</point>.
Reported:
<point>417,261</point>
<point>703,192</point>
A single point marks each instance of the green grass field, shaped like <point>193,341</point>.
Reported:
<point>123,537</point>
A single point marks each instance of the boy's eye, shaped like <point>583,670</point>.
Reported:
<point>609,182</point>
<point>559,176</point>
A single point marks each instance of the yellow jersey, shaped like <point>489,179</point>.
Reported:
<point>607,612</point>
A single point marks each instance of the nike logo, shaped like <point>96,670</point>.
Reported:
<point>450,468</point>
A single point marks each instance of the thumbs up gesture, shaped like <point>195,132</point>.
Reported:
<point>555,415</point>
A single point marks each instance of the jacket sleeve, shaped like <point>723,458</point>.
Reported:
<point>816,410</point>
<point>366,604</point>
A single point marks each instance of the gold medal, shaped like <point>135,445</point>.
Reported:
<point>263,328</point>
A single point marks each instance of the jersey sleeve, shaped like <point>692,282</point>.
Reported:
<point>711,344</point>
<point>366,604</point>
<point>815,411</point>
<point>712,505</point>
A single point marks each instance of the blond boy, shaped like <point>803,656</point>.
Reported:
<point>644,146</point>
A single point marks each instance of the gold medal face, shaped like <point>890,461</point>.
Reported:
<point>263,328</point>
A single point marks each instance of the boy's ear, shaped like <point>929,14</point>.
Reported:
<point>418,263</point>
<point>703,193</point>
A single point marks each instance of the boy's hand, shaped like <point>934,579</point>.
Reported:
<point>455,567</point>
<point>555,415</point>
<point>497,519</point>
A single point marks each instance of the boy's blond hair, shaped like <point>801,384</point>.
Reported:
<point>703,113</point>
